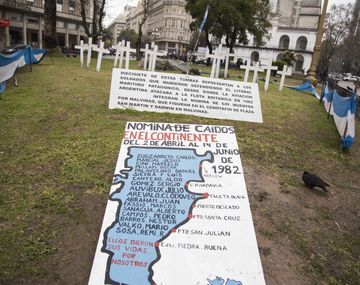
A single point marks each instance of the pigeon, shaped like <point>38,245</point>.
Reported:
<point>312,180</point>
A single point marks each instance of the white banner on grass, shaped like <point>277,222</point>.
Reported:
<point>184,94</point>
<point>178,211</point>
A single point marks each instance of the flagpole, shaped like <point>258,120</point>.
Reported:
<point>198,38</point>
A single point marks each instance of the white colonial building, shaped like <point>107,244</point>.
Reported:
<point>293,28</point>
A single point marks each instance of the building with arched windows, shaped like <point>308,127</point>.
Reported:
<point>293,28</point>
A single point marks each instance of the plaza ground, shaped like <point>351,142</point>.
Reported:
<point>58,148</point>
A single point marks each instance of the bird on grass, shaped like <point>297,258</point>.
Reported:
<point>312,180</point>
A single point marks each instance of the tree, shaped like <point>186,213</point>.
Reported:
<point>337,28</point>
<point>97,17</point>
<point>351,60</point>
<point>129,35</point>
<point>280,64</point>
<point>287,57</point>
<point>232,19</point>
<point>144,13</point>
<point>50,36</point>
<point>106,37</point>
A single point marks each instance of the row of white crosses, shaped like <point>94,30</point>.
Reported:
<point>123,49</point>
<point>122,55</point>
<point>221,54</point>
<point>89,48</point>
<point>257,68</point>
<point>150,56</point>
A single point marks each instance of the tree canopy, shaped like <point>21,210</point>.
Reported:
<point>233,19</point>
<point>337,28</point>
<point>128,35</point>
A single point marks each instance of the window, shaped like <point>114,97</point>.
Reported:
<point>32,20</point>
<point>59,5</point>
<point>284,42</point>
<point>72,26</point>
<point>173,23</point>
<point>255,56</point>
<point>60,24</point>
<point>299,63</point>
<point>14,16</point>
<point>301,43</point>
<point>71,5</point>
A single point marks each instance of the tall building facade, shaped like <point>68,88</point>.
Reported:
<point>119,23</point>
<point>27,22</point>
<point>294,28</point>
<point>167,24</point>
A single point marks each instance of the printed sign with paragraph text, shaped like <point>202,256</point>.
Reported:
<point>184,94</point>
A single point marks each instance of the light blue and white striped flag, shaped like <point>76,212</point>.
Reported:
<point>204,19</point>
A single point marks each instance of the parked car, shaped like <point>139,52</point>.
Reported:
<point>351,78</point>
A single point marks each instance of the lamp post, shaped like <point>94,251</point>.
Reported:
<point>155,33</point>
<point>316,55</point>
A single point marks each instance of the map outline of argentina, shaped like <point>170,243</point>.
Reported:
<point>134,245</point>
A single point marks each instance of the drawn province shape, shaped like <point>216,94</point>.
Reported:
<point>154,200</point>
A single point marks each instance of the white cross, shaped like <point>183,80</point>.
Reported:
<point>227,56</point>
<point>247,68</point>
<point>146,52</point>
<point>257,68</point>
<point>268,69</point>
<point>117,48</point>
<point>285,72</point>
<point>89,46</point>
<point>101,50</point>
<point>217,57</point>
<point>127,50</point>
<point>153,56</point>
<point>81,47</point>
<point>120,52</point>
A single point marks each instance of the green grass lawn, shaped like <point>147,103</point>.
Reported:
<point>58,148</point>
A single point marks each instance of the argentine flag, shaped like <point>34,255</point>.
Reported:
<point>9,63</point>
<point>204,19</point>
<point>8,66</point>
<point>343,110</point>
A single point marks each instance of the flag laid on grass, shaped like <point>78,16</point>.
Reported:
<point>306,87</point>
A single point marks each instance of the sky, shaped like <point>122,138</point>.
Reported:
<point>116,7</point>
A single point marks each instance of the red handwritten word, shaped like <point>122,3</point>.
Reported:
<point>129,263</point>
<point>162,136</point>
